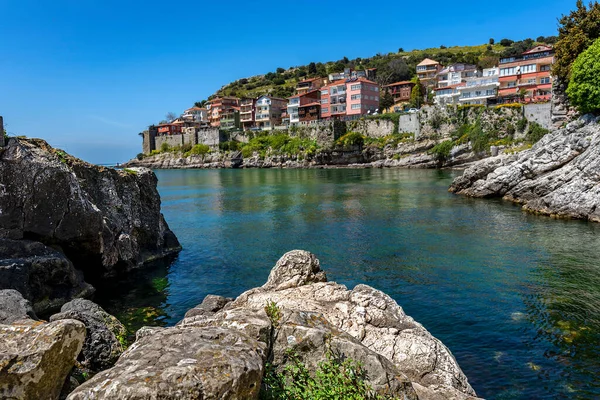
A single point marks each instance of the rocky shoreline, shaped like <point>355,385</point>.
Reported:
<point>66,224</point>
<point>558,176</point>
<point>224,348</point>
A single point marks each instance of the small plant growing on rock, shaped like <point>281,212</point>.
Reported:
<point>273,312</point>
<point>335,378</point>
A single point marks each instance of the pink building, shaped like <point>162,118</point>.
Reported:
<point>362,96</point>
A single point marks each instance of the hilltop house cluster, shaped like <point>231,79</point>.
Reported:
<point>348,95</point>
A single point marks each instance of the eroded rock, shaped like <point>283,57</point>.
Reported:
<point>13,307</point>
<point>43,276</point>
<point>105,338</point>
<point>35,359</point>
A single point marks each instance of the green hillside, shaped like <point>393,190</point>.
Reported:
<point>391,67</point>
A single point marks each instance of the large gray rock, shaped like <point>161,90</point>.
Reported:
<point>43,276</point>
<point>557,176</point>
<point>106,221</point>
<point>210,305</point>
<point>13,307</point>
<point>106,336</point>
<point>182,363</point>
<point>35,359</point>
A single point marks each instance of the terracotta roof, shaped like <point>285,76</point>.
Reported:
<point>316,103</point>
<point>538,49</point>
<point>310,80</point>
<point>427,61</point>
<point>399,83</point>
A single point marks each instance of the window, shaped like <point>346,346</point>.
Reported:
<point>355,97</point>
<point>528,68</point>
<point>324,92</point>
<point>545,68</point>
<point>511,84</point>
<point>478,93</point>
<point>356,87</point>
<point>531,81</point>
<point>356,106</point>
<point>490,92</point>
<point>508,71</point>
<point>466,95</point>
<point>324,110</point>
<point>324,101</point>
<point>545,80</point>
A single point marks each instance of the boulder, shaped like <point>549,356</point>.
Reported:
<point>43,276</point>
<point>295,268</point>
<point>210,305</point>
<point>182,363</point>
<point>558,176</point>
<point>106,221</point>
<point>105,336</point>
<point>35,359</point>
<point>13,307</point>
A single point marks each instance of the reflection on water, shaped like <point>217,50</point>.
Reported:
<point>516,297</point>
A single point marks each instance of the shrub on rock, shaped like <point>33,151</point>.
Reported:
<point>584,86</point>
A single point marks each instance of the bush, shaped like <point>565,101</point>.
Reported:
<point>535,132</point>
<point>165,147</point>
<point>351,139</point>
<point>509,105</point>
<point>335,378</point>
<point>200,150</point>
<point>584,86</point>
<point>229,146</point>
<point>140,156</point>
<point>478,138</point>
<point>521,124</point>
<point>441,151</point>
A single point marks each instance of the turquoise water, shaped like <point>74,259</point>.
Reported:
<point>516,297</point>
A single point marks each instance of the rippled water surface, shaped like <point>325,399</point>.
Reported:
<point>516,297</point>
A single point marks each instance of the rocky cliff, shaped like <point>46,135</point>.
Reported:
<point>558,176</point>
<point>60,215</point>
<point>224,348</point>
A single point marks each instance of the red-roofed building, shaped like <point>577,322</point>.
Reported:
<point>400,91</point>
<point>362,96</point>
<point>309,85</point>
<point>527,78</point>
<point>309,107</point>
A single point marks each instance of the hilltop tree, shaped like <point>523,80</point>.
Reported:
<point>584,85</point>
<point>487,62</point>
<point>394,71</point>
<point>170,116</point>
<point>416,95</point>
<point>312,68</point>
<point>492,41</point>
<point>576,32</point>
<point>506,42</point>
<point>201,103</point>
<point>280,70</point>
<point>386,101</point>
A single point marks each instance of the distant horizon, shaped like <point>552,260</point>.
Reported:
<point>87,79</point>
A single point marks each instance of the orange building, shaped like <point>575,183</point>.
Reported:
<point>219,106</point>
<point>527,78</point>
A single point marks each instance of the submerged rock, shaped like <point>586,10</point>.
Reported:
<point>35,359</point>
<point>105,335</point>
<point>557,176</point>
<point>221,350</point>
<point>43,276</point>
<point>105,221</point>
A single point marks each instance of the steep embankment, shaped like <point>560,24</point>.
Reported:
<point>104,221</point>
<point>558,176</point>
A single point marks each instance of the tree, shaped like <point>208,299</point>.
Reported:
<point>201,103</point>
<point>386,101</point>
<point>312,68</point>
<point>576,32</point>
<point>401,50</point>
<point>487,62</point>
<point>170,116</point>
<point>584,85</point>
<point>492,41</point>
<point>280,70</point>
<point>506,42</point>
<point>416,95</point>
<point>394,71</point>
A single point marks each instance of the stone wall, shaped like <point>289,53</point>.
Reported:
<point>410,123</point>
<point>375,128</point>
<point>325,132</point>
<point>540,113</point>
<point>208,136</point>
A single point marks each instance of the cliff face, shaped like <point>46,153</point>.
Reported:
<point>559,175</point>
<point>105,221</point>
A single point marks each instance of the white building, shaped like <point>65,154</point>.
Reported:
<point>268,112</point>
<point>479,89</point>
<point>292,110</point>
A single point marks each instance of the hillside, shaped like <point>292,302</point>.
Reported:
<point>391,67</point>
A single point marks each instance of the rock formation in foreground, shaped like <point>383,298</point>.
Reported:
<point>221,349</point>
<point>60,215</point>
<point>558,176</point>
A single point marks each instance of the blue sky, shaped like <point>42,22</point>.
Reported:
<point>88,75</point>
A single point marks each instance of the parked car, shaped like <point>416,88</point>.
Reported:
<point>412,110</point>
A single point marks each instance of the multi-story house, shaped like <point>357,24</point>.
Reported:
<point>333,100</point>
<point>455,74</point>
<point>247,113</point>
<point>427,71</point>
<point>527,78</point>
<point>268,112</point>
<point>362,95</point>
<point>292,109</point>
<point>196,114</point>
<point>480,89</point>
<point>447,95</point>
<point>308,85</point>
<point>168,129</point>
<point>230,119</point>
<point>309,107</point>
<point>400,91</point>
<point>218,106</point>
